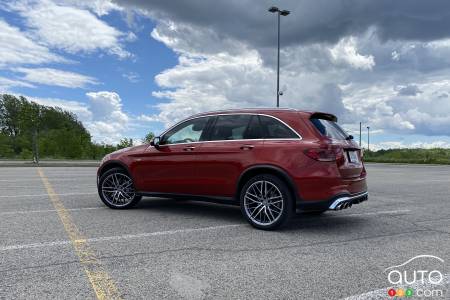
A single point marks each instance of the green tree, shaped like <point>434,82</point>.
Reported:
<point>124,143</point>
<point>29,130</point>
<point>148,137</point>
<point>10,112</point>
<point>30,121</point>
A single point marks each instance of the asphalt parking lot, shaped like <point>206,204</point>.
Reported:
<point>58,241</point>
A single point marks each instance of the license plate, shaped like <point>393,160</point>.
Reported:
<point>353,156</point>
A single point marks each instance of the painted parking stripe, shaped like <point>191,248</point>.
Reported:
<point>102,283</point>
<point>119,237</point>
<point>87,185</point>
<point>20,212</point>
<point>158,233</point>
<point>46,195</point>
<point>38,179</point>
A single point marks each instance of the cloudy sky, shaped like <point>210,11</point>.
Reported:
<point>129,67</point>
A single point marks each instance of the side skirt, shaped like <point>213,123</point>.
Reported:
<point>203,198</point>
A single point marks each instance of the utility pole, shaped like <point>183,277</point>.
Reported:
<point>280,13</point>
<point>360,134</point>
<point>278,64</point>
<point>368,140</point>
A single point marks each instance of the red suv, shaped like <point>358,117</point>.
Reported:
<point>269,161</point>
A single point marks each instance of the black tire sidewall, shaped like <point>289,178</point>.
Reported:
<point>288,205</point>
<point>135,200</point>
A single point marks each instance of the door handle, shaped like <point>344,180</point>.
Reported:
<point>247,147</point>
<point>189,148</point>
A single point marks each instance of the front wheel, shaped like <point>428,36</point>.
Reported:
<point>266,202</point>
<point>116,189</point>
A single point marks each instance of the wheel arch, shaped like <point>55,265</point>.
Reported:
<point>267,169</point>
<point>111,165</point>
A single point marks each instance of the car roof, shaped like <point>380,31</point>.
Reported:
<point>266,110</point>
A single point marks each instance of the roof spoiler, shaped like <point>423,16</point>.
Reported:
<point>323,116</point>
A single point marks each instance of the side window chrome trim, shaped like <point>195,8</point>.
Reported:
<point>230,114</point>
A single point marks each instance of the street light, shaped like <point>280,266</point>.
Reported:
<point>368,148</point>
<point>360,134</point>
<point>284,13</point>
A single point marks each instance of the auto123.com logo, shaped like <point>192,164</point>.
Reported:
<point>413,279</point>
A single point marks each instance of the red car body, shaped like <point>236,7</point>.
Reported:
<point>316,168</point>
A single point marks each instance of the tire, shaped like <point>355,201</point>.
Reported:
<point>266,202</point>
<point>121,198</point>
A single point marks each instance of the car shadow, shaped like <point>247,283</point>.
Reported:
<point>330,222</point>
<point>192,208</point>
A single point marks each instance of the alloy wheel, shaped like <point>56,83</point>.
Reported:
<point>118,190</point>
<point>263,202</point>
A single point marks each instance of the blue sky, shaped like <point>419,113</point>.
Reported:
<point>132,78</point>
<point>129,67</point>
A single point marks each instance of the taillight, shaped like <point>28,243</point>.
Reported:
<point>322,154</point>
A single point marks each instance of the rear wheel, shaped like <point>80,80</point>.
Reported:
<point>266,202</point>
<point>116,189</point>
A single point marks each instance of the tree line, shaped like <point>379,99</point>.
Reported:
<point>32,131</point>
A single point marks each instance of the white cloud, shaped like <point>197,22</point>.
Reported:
<point>80,109</point>
<point>132,77</point>
<point>70,28</point>
<point>18,48</point>
<point>102,114</point>
<point>215,73</point>
<point>99,7</point>
<point>148,118</point>
<point>209,83</point>
<point>131,37</point>
<point>107,106</point>
<point>408,90</point>
<point>6,84</point>
<point>109,122</point>
<point>346,52</point>
<point>56,77</point>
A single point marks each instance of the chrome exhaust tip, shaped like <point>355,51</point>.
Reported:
<point>347,201</point>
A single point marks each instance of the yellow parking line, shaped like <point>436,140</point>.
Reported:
<point>101,282</point>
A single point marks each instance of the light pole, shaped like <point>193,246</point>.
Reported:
<point>368,129</point>
<point>279,12</point>
<point>360,134</point>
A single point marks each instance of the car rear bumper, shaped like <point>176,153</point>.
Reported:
<point>338,202</point>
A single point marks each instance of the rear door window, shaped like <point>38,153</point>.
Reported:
<point>230,127</point>
<point>253,130</point>
<point>329,129</point>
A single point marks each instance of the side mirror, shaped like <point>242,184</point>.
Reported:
<point>155,142</point>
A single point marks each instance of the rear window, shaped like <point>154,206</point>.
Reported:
<point>329,128</point>
<point>274,129</point>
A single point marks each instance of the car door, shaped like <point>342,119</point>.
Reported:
<point>232,144</point>
<point>171,167</point>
